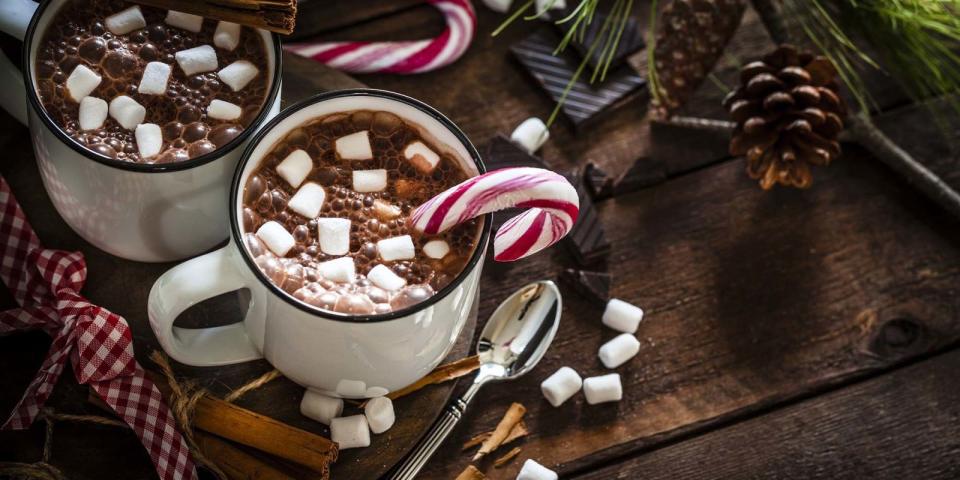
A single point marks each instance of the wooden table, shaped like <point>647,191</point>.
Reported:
<point>788,334</point>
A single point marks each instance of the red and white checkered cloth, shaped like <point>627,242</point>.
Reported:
<point>98,342</point>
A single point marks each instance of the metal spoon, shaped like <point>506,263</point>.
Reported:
<point>513,341</point>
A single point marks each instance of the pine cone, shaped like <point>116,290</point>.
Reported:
<point>788,116</point>
<point>691,37</point>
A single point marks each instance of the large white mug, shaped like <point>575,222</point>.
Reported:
<point>144,212</point>
<point>329,353</point>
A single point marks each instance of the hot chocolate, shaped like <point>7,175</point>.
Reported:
<point>147,85</point>
<point>325,214</point>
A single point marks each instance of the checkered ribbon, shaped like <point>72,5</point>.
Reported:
<point>45,283</point>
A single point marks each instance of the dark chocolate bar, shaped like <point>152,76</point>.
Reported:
<point>595,286</point>
<point>586,241</point>
<point>644,172</point>
<point>601,184</point>
<point>631,40</point>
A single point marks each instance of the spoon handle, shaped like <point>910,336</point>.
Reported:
<point>410,467</point>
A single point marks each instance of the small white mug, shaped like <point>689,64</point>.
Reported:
<point>143,212</point>
<point>329,353</point>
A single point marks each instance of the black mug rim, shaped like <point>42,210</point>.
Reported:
<point>236,233</point>
<point>34,101</point>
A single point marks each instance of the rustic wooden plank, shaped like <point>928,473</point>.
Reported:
<point>319,16</point>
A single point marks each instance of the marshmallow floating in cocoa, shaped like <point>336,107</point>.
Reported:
<point>365,181</point>
<point>421,157</point>
<point>149,139</point>
<point>383,277</point>
<point>276,238</point>
<point>532,470</point>
<point>125,21</point>
<point>238,74</point>
<point>308,200</point>
<point>295,168</point>
<point>334,235</point>
<point>379,413</point>
<point>186,21</point>
<point>436,249</point>
<point>93,112</point>
<point>227,35</point>
<point>154,79</point>
<point>222,110</point>
<point>605,388</point>
<point>350,432</point>
<point>355,146</point>
<point>321,407</point>
<point>560,386</point>
<point>617,351</point>
<point>385,210</point>
<point>531,134</point>
<point>396,248</point>
<point>81,82</point>
<point>340,270</point>
<point>622,316</point>
<point>127,112</point>
<point>197,59</point>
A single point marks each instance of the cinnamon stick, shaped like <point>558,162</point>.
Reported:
<point>518,431</point>
<point>273,15</point>
<point>471,473</point>
<point>510,419</point>
<point>235,463</point>
<point>506,457</point>
<point>441,374</point>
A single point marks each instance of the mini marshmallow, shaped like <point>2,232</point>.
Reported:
<point>365,181</point>
<point>308,200</point>
<point>197,59</point>
<point>383,277</point>
<point>421,156</point>
<point>560,386</point>
<point>93,112</point>
<point>227,35</point>
<point>544,5</point>
<point>127,112</point>
<point>238,74</point>
<point>531,134</point>
<point>276,238</point>
<point>351,388</point>
<point>338,270</point>
<point>532,470</point>
<point>224,110</point>
<point>379,413</point>
<point>321,407</point>
<point>396,248</point>
<point>605,388</point>
<point>617,351</point>
<point>622,316</point>
<point>149,139</point>
<point>154,79</point>
<point>125,21</point>
<point>436,249</point>
<point>186,21</point>
<point>295,168</point>
<point>81,82</point>
<point>499,6</point>
<point>350,432</point>
<point>355,146</point>
<point>334,235</point>
<point>385,210</point>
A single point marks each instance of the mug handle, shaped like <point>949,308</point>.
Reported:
<point>187,284</point>
<point>15,15</point>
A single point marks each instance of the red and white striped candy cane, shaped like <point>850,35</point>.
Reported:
<point>414,56</point>
<point>553,208</point>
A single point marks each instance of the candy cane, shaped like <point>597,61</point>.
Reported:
<point>553,203</point>
<point>400,57</point>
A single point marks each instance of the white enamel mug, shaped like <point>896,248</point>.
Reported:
<point>329,353</point>
<point>144,212</point>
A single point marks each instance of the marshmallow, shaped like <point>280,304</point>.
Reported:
<point>295,168</point>
<point>605,388</point>
<point>379,413</point>
<point>93,112</point>
<point>544,5</point>
<point>396,248</point>
<point>532,470</point>
<point>149,139</point>
<point>499,6</point>
<point>227,35</point>
<point>338,270</point>
<point>436,249</point>
<point>351,388</point>
<point>154,79</point>
<point>421,156</point>
<point>125,21</point>
<point>355,146</point>
<point>560,386</point>
<point>276,238</point>
<point>350,432</point>
<point>224,110</point>
<point>238,74</point>
<point>308,200</point>
<point>617,351</point>
<point>321,407</point>
<point>385,210</point>
<point>197,59</point>
<point>622,316</point>
<point>365,181</point>
<point>383,277</point>
<point>531,134</point>
<point>186,21</point>
<point>334,234</point>
<point>81,82</point>
<point>127,112</point>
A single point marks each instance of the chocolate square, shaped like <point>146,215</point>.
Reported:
<point>594,286</point>
<point>586,241</point>
<point>600,183</point>
<point>631,40</point>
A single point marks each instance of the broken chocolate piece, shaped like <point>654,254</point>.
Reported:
<point>644,172</point>
<point>595,286</point>
<point>586,239</point>
<point>600,184</point>
<point>631,40</point>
